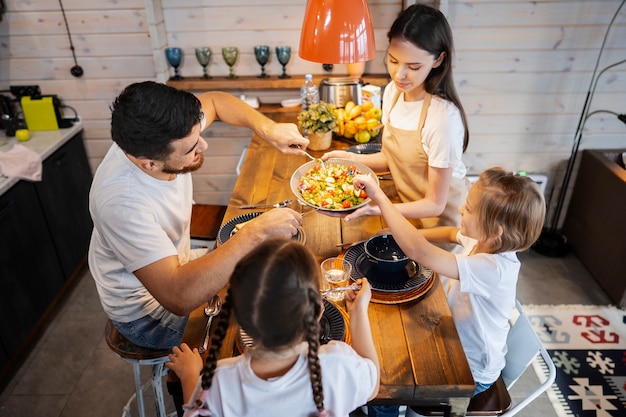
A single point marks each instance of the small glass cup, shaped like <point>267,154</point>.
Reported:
<point>335,273</point>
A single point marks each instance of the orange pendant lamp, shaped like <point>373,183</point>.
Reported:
<point>337,32</point>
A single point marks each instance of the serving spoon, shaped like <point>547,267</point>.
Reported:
<point>318,160</point>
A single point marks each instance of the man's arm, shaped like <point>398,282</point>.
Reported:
<point>182,288</point>
<point>285,137</point>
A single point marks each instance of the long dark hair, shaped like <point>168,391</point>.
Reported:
<point>428,29</point>
<point>274,293</point>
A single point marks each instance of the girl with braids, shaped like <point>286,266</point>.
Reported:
<point>274,294</point>
<point>425,131</point>
<point>503,214</point>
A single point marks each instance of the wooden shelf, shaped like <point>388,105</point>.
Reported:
<point>255,83</point>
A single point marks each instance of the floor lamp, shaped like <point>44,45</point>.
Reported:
<point>552,243</point>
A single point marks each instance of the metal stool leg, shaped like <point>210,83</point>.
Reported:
<point>157,383</point>
<point>138,388</point>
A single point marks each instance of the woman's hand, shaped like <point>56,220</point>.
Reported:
<point>339,154</point>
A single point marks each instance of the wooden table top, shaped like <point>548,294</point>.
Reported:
<point>421,357</point>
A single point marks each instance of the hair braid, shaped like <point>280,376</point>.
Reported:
<point>216,343</point>
<point>313,338</point>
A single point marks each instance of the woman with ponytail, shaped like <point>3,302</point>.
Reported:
<point>275,297</point>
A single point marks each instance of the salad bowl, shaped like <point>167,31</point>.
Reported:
<point>330,189</point>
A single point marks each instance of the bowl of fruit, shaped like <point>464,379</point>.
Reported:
<point>360,122</point>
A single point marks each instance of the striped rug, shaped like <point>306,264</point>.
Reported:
<point>588,347</point>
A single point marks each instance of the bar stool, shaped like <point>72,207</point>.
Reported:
<point>139,356</point>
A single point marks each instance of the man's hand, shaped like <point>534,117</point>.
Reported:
<point>278,222</point>
<point>287,138</point>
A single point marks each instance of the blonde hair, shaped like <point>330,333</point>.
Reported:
<point>513,202</point>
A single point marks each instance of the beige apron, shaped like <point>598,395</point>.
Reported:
<point>408,164</point>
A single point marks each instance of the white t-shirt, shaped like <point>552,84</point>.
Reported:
<point>443,132</point>
<point>481,301</point>
<point>137,220</point>
<point>348,380</point>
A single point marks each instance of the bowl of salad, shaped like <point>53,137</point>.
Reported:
<point>330,189</point>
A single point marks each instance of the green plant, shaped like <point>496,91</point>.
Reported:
<point>318,118</point>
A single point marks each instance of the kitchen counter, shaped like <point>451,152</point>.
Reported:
<point>44,142</point>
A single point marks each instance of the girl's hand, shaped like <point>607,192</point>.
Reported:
<point>358,300</point>
<point>367,183</point>
<point>186,363</point>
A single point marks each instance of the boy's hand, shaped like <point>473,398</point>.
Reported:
<point>367,183</point>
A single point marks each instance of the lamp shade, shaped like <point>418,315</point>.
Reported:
<point>337,32</point>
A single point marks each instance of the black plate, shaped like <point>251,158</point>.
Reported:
<point>332,326</point>
<point>411,277</point>
<point>364,148</point>
<point>228,228</point>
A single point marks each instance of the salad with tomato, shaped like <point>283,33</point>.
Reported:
<point>331,189</point>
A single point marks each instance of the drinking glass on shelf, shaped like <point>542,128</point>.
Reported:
<point>283,54</point>
<point>203,55</point>
<point>174,57</point>
<point>262,54</point>
<point>335,273</point>
<point>229,54</point>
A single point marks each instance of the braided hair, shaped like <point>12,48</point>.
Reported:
<point>274,293</point>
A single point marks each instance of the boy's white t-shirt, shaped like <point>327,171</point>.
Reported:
<point>481,301</point>
<point>348,380</point>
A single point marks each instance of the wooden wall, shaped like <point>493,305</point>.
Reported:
<point>523,68</point>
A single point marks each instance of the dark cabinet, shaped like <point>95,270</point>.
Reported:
<point>64,197</point>
<point>30,272</point>
<point>44,236</point>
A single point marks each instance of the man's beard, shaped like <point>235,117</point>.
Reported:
<point>186,169</point>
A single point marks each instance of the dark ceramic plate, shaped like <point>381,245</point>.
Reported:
<point>411,277</point>
<point>332,326</point>
<point>365,148</point>
<point>228,228</point>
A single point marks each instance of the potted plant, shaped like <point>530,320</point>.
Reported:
<point>319,121</point>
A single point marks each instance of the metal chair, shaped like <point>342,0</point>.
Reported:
<point>139,356</point>
<point>523,345</point>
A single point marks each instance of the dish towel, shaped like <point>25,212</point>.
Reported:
<point>21,162</point>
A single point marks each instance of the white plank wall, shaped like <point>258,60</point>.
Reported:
<point>522,68</point>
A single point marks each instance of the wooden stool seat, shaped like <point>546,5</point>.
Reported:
<point>206,220</point>
<point>138,356</point>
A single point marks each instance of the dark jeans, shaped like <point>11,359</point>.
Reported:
<point>383,410</point>
<point>160,330</point>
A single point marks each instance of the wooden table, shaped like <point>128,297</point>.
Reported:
<point>421,357</point>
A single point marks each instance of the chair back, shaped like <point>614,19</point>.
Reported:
<point>523,345</point>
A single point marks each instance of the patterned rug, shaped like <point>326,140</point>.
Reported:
<point>588,347</point>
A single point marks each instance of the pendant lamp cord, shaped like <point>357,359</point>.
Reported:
<point>76,70</point>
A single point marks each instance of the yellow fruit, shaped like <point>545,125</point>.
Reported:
<point>372,124</point>
<point>354,112</point>
<point>374,113</point>
<point>341,114</point>
<point>350,128</point>
<point>362,136</point>
<point>348,107</point>
<point>348,135</point>
<point>22,134</point>
<point>366,105</point>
